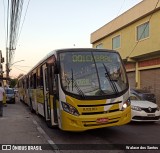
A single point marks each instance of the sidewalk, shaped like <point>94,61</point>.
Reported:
<point>17,127</point>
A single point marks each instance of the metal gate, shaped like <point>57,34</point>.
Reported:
<point>150,80</point>
<point>131,79</point>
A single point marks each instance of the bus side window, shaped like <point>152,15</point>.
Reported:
<point>27,82</point>
<point>54,80</point>
<point>31,81</point>
<point>46,79</point>
<point>34,81</point>
<point>38,77</point>
<point>41,77</point>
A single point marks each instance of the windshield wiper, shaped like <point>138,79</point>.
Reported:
<point>74,84</point>
<point>112,82</point>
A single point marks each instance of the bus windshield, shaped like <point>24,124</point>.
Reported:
<point>92,73</point>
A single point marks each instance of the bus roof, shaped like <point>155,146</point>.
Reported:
<point>54,52</point>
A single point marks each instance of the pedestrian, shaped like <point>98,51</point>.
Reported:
<point>2,92</point>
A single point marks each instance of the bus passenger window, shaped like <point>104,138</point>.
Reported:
<point>41,77</point>
<point>34,81</point>
<point>46,79</point>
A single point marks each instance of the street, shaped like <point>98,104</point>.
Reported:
<point>132,133</point>
<point>98,140</point>
<point>83,65</point>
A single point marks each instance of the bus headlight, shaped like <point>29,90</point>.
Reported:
<point>70,109</point>
<point>126,104</point>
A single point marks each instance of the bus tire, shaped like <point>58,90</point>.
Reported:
<point>31,107</point>
<point>50,125</point>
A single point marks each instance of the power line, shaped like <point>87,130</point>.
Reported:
<point>19,69</point>
<point>4,23</point>
<point>7,23</point>
<point>12,29</point>
<point>15,30</point>
<point>143,31</point>
<point>15,16</point>
<point>24,66</point>
<point>23,21</point>
<point>121,7</point>
<point>117,15</point>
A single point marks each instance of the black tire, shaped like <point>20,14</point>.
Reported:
<point>49,123</point>
<point>31,107</point>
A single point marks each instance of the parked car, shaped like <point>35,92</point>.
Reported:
<point>144,95</point>
<point>10,95</point>
<point>143,110</point>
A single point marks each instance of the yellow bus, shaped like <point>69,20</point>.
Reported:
<point>21,88</point>
<point>79,89</point>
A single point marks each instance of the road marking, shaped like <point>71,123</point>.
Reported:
<point>52,144</point>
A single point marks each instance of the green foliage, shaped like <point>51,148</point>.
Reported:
<point>13,82</point>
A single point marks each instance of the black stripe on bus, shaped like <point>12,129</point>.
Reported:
<point>99,104</point>
<point>104,112</point>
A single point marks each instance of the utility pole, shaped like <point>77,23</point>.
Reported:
<point>1,67</point>
<point>7,66</point>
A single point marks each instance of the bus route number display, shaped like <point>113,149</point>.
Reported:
<point>89,58</point>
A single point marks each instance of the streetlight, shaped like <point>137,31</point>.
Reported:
<point>9,66</point>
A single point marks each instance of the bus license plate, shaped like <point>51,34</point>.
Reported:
<point>151,115</point>
<point>102,120</point>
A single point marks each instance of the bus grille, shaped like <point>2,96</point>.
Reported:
<point>104,112</point>
<point>94,123</point>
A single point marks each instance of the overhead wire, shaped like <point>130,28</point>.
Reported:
<point>23,21</point>
<point>15,17</point>
<point>19,69</point>
<point>7,24</point>
<point>4,23</point>
<point>121,7</point>
<point>13,29</point>
<point>16,11</point>
<point>24,66</point>
<point>117,15</point>
<point>19,16</point>
<point>143,31</point>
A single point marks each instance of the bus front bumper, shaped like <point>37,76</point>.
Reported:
<point>86,122</point>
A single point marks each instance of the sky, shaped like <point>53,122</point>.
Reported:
<point>55,24</point>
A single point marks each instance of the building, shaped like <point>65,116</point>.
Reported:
<point>136,35</point>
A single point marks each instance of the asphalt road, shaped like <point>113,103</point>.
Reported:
<point>131,134</point>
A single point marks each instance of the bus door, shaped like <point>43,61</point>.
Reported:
<point>47,109</point>
<point>49,98</point>
<point>54,90</point>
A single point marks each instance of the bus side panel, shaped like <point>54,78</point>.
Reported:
<point>33,99</point>
<point>40,101</point>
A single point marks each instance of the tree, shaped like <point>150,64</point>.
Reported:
<point>13,83</point>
